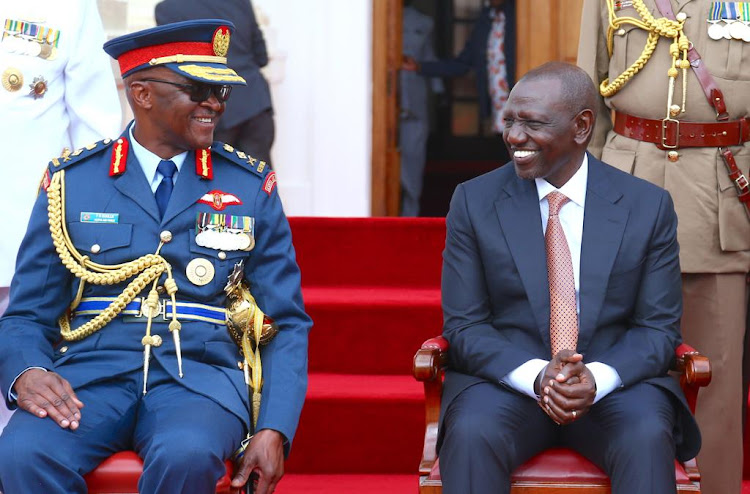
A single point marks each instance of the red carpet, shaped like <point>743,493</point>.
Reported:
<point>372,287</point>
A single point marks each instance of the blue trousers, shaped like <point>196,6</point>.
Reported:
<point>182,437</point>
<point>490,430</point>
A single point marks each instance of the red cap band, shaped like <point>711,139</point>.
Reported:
<point>134,58</point>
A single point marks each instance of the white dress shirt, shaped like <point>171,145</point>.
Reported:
<point>607,379</point>
<point>150,162</point>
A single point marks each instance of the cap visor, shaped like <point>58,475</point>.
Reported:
<point>210,73</point>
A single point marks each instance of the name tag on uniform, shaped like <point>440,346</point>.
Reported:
<point>100,217</point>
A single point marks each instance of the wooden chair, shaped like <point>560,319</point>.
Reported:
<point>557,470</point>
<point>119,474</point>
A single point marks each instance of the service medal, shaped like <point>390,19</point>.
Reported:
<point>45,51</point>
<point>33,49</point>
<point>715,31</point>
<point>200,271</point>
<point>736,29</point>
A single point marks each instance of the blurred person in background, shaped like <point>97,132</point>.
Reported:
<point>58,95</point>
<point>490,52</point>
<point>414,115</point>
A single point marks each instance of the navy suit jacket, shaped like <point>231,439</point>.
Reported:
<point>473,56</point>
<point>247,51</point>
<point>43,289</point>
<point>496,294</point>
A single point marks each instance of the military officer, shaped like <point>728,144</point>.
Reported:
<point>677,75</point>
<point>118,301</point>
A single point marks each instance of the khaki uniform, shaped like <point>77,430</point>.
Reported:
<point>714,229</point>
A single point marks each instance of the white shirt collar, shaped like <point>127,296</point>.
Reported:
<point>149,161</point>
<point>574,189</point>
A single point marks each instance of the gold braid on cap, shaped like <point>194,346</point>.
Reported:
<point>667,28</point>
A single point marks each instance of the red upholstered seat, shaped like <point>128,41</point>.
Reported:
<point>119,474</point>
<point>561,465</point>
<point>556,470</point>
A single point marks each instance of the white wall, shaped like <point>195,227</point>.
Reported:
<point>321,83</point>
<point>323,103</point>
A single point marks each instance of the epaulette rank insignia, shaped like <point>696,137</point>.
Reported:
<point>241,158</point>
<point>68,158</point>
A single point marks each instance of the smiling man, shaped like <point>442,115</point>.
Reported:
<point>116,336</point>
<point>561,302</point>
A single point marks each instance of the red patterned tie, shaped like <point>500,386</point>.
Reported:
<point>563,317</point>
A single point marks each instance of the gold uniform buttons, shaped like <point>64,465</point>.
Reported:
<point>682,16</point>
<point>96,248</point>
<point>673,156</point>
<point>165,236</point>
<point>621,32</point>
<point>240,366</point>
<point>63,349</point>
<point>222,255</point>
<point>160,290</point>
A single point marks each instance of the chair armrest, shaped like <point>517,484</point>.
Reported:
<point>430,359</point>
<point>694,370</point>
<point>429,364</point>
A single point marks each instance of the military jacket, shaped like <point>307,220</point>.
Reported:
<point>112,217</point>
<point>714,230</point>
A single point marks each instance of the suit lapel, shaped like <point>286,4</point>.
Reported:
<point>134,185</point>
<point>603,227</point>
<point>521,222</point>
<point>188,189</point>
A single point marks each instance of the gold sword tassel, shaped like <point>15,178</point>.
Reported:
<point>170,285</point>
<point>152,306</point>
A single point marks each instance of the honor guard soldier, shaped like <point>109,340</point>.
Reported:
<point>132,293</point>
<point>676,76</point>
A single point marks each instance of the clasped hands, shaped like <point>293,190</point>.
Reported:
<point>568,388</point>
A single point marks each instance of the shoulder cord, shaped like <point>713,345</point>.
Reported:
<point>656,27</point>
<point>148,269</point>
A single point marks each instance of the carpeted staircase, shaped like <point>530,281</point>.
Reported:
<point>372,287</point>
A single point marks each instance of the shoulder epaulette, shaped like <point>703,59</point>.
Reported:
<point>243,159</point>
<point>68,158</point>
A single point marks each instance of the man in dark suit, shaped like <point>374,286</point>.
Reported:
<point>247,123</point>
<point>119,298</point>
<point>543,356</point>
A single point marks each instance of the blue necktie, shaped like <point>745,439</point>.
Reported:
<point>167,168</point>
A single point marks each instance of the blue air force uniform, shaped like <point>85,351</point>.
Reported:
<point>111,216</point>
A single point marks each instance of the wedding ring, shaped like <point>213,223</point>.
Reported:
<point>575,414</point>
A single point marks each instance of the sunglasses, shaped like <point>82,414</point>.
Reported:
<point>200,92</point>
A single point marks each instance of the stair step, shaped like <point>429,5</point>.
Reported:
<point>369,330</point>
<point>347,484</point>
<point>369,251</point>
<point>359,424</point>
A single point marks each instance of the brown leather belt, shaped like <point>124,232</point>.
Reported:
<point>670,133</point>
